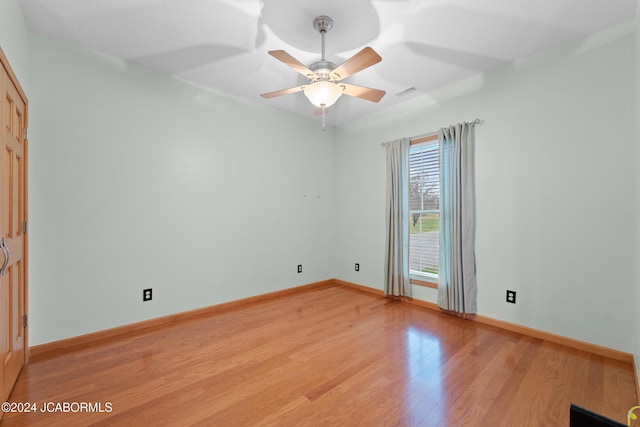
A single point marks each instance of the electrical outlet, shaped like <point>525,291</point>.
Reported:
<point>511,296</point>
<point>299,268</point>
<point>357,267</point>
<point>146,294</point>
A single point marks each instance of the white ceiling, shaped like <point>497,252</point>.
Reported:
<point>223,44</point>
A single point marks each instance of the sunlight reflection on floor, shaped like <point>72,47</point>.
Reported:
<point>424,377</point>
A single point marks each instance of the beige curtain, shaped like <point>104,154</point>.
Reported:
<point>457,289</point>
<point>397,251</point>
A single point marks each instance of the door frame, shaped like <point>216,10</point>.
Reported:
<point>4,62</point>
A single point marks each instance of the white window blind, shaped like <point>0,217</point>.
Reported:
<point>424,210</point>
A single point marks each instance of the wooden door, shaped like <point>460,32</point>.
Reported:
<point>13,222</point>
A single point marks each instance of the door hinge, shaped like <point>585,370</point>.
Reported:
<point>25,320</point>
<point>25,227</point>
<point>26,133</point>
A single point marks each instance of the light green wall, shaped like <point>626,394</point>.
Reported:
<point>14,39</point>
<point>554,187</point>
<point>140,180</point>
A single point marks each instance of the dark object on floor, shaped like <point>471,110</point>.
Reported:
<point>581,417</point>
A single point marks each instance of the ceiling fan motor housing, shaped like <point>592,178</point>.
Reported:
<point>323,69</point>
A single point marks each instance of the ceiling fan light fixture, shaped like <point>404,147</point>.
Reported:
<point>323,93</point>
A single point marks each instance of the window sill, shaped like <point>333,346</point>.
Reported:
<point>423,283</point>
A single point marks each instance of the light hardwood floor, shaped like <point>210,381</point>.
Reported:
<point>329,356</point>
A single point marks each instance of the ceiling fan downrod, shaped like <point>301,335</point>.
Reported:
<point>322,24</point>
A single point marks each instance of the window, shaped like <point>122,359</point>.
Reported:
<point>424,210</point>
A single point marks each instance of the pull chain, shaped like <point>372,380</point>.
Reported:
<point>324,120</point>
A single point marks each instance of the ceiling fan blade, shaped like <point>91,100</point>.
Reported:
<point>292,62</point>
<point>358,62</point>
<point>283,92</point>
<point>370,94</point>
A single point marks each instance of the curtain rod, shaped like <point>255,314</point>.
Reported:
<point>424,135</point>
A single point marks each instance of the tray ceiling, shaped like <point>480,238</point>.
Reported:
<point>223,44</point>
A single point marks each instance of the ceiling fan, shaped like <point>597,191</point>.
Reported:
<point>325,78</point>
